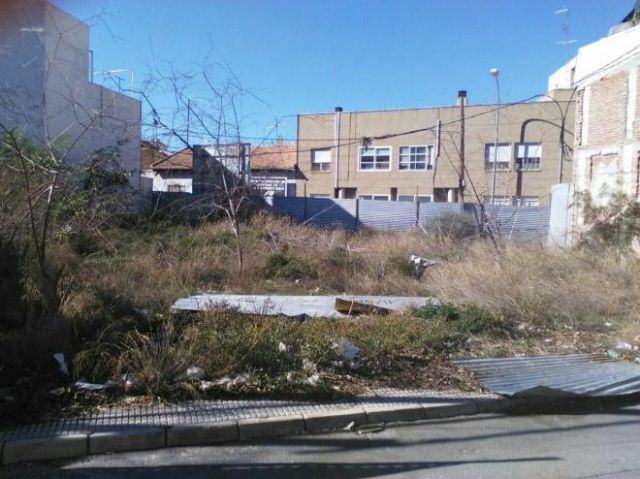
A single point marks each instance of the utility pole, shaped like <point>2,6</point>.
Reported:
<point>462,99</point>
<point>495,73</point>
<point>188,118</point>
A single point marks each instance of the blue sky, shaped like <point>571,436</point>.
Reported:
<point>313,55</point>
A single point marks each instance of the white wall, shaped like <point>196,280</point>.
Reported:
<point>44,66</point>
<point>154,181</point>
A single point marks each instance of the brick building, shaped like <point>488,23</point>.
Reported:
<point>413,154</point>
<point>607,141</point>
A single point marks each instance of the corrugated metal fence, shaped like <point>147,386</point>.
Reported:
<point>509,222</point>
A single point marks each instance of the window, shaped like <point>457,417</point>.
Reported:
<point>375,158</point>
<point>374,197</point>
<point>528,156</point>
<point>502,159</point>
<point>500,200</point>
<point>321,159</point>
<point>527,201</point>
<point>416,198</point>
<point>415,157</point>
<point>175,188</point>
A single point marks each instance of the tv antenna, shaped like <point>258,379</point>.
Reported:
<point>566,30</point>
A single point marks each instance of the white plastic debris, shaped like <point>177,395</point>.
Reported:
<point>128,381</point>
<point>62,364</point>
<point>313,379</point>
<point>195,372</point>
<point>86,386</point>
<point>353,365</point>
<point>624,346</point>
<point>283,348</point>
<point>206,385</point>
<point>345,348</point>
<point>420,264</point>
<point>231,382</point>
<point>309,366</point>
<point>350,426</point>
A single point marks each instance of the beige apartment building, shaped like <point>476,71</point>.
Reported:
<point>415,154</point>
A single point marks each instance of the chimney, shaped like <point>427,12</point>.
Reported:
<point>462,98</point>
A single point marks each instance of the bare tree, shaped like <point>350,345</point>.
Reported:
<point>206,120</point>
<point>50,116</point>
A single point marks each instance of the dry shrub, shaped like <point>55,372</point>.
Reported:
<point>538,285</point>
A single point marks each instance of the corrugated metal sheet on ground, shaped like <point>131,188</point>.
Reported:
<point>387,215</point>
<point>575,374</point>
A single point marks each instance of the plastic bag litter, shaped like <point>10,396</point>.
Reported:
<point>345,348</point>
<point>62,364</point>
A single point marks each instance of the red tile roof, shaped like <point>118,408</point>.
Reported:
<point>180,160</point>
<point>280,156</point>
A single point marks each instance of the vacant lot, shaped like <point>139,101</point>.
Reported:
<point>118,285</point>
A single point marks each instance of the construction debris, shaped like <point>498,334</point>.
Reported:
<point>556,375</point>
<point>300,307</point>
<point>420,264</point>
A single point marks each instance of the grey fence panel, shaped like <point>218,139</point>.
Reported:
<point>508,222</point>
<point>514,222</point>
<point>332,212</point>
<point>387,215</point>
<point>429,212</point>
<point>293,207</point>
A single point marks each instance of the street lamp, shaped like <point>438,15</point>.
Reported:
<point>494,72</point>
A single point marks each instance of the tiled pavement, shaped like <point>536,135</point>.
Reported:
<point>211,411</point>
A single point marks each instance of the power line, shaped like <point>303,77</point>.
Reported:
<point>331,141</point>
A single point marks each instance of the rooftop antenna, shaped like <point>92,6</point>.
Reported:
<point>116,79</point>
<point>275,127</point>
<point>566,30</point>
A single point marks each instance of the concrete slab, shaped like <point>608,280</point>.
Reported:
<point>294,306</point>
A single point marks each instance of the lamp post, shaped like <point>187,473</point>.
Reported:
<point>494,72</point>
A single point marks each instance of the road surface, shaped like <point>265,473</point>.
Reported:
<point>603,445</point>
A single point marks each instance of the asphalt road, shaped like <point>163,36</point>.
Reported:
<point>603,445</point>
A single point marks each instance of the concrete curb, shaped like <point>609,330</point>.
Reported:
<point>154,437</point>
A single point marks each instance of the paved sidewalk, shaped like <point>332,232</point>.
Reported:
<point>213,411</point>
<point>193,423</point>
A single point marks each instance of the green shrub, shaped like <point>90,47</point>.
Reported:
<point>466,320</point>
<point>401,265</point>
<point>287,266</point>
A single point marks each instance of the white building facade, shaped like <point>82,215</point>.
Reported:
<point>46,92</point>
<point>607,131</point>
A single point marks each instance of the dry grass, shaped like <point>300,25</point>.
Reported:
<point>520,298</point>
<point>544,287</point>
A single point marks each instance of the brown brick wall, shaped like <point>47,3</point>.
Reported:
<point>579,119</point>
<point>636,122</point>
<point>607,110</point>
